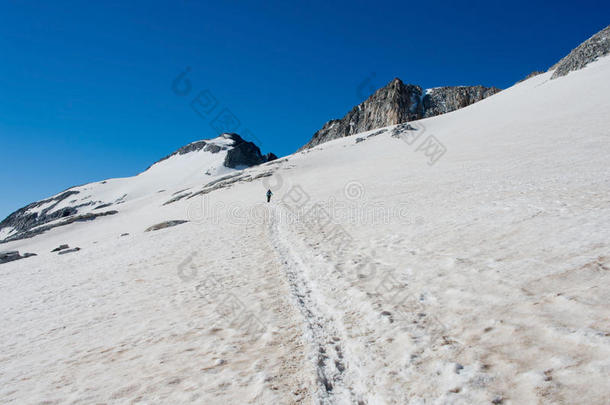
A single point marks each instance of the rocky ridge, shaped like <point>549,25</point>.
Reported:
<point>397,103</point>
<point>442,100</point>
<point>589,51</point>
<point>240,153</point>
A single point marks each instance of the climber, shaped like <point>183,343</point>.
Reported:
<point>269,194</point>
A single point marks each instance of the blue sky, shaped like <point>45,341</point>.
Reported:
<point>86,87</point>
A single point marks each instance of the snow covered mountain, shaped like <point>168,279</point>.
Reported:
<point>460,259</point>
<point>398,103</point>
<point>198,162</point>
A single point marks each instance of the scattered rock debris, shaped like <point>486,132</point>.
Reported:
<point>166,224</point>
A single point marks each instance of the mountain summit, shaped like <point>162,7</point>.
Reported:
<point>239,153</point>
<point>397,103</point>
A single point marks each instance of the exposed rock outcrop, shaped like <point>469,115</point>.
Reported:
<point>442,100</point>
<point>589,51</point>
<point>63,252</point>
<point>37,230</point>
<point>225,182</point>
<point>6,257</point>
<point>240,153</point>
<point>244,154</point>
<point>166,224</point>
<point>39,213</point>
<point>397,103</point>
<point>393,104</point>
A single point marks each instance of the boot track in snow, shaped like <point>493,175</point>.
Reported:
<point>320,329</point>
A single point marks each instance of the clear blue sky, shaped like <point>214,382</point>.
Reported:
<point>86,87</point>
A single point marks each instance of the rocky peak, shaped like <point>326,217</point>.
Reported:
<point>243,153</point>
<point>240,153</point>
<point>589,51</point>
<point>392,104</point>
<point>397,103</point>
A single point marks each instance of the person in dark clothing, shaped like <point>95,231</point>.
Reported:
<point>269,194</point>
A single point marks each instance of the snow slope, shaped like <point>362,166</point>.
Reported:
<point>175,171</point>
<point>373,277</point>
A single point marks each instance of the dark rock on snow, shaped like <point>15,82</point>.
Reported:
<point>166,224</point>
<point>28,221</point>
<point>60,247</point>
<point>228,181</point>
<point>23,219</point>
<point>6,257</point>
<point>177,198</point>
<point>398,130</point>
<point>41,229</point>
<point>63,252</point>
